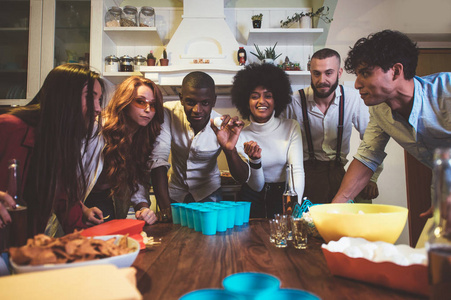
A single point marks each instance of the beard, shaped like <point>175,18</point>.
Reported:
<point>326,94</point>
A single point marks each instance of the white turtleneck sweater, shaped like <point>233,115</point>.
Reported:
<point>281,143</point>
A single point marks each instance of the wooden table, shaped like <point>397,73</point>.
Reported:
<point>187,260</point>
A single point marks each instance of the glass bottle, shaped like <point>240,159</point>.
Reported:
<point>147,17</point>
<point>439,240</point>
<point>113,17</point>
<point>16,232</point>
<point>129,17</point>
<point>290,197</point>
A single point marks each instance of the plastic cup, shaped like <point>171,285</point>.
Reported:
<point>230,215</point>
<point>247,210</point>
<point>209,221</point>
<point>222,218</point>
<point>250,285</point>
<point>183,220</point>
<point>175,208</point>
<point>189,216</point>
<point>239,212</point>
<point>196,218</point>
<point>208,294</point>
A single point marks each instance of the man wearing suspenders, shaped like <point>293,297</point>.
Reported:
<point>326,112</point>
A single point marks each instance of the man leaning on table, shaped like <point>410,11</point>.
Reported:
<point>194,147</point>
<point>414,111</point>
<point>330,110</point>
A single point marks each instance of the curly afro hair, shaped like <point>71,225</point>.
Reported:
<point>384,49</point>
<point>266,75</point>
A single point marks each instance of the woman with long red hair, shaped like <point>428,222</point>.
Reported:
<point>133,120</point>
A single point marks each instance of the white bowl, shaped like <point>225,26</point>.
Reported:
<point>120,261</point>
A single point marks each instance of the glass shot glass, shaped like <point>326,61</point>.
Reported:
<point>272,231</point>
<point>281,233</point>
<point>299,230</point>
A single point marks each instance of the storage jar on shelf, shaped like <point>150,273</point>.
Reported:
<point>147,17</point>
<point>129,17</point>
<point>113,17</point>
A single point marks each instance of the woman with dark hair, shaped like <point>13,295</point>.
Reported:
<point>133,120</point>
<point>261,93</point>
<point>55,138</point>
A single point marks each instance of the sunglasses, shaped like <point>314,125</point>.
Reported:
<point>143,104</point>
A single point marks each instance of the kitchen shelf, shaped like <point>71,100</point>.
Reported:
<point>283,36</point>
<point>118,77</point>
<point>136,36</point>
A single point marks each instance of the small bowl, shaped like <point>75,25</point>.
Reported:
<point>210,294</point>
<point>288,294</point>
<point>250,284</point>
<point>373,222</point>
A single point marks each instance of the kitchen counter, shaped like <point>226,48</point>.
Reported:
<point>187,260</point>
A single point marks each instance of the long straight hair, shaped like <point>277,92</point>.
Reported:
<point>126,156</point>
<point>63,134</point>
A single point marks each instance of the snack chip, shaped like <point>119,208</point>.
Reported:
<point>70,248</point>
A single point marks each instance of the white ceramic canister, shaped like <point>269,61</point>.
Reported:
<point>111,63</point>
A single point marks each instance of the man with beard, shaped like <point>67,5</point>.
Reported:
<point>326,113</point>
<point>194,146</point>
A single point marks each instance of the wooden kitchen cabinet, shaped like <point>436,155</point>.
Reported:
<point>37,35</point>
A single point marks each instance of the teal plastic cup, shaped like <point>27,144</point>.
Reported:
<point>189,216</point>
<point>230,215</point>
<point>175,209</point>
<point>222,218</point>
<point>239,214</point>
<point>250,285</point>
<point>247,210</point>
<point>196,218</point>
<point>209,294</point>
<point>183,220</point>
<point>209,221</point>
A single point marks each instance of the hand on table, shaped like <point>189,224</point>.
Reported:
<point>146,214</point>
<point>92,216</point>
<point>5,202</point>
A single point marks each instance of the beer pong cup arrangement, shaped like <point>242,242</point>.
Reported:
<point>211,217</point>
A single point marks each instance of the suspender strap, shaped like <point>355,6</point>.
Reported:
<point>341,109</point>
<point>308,133</point>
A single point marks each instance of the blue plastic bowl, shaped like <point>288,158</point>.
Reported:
<point>287,294</point>
<point>210,294</point>
<point>250,284</point>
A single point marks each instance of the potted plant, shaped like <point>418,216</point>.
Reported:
<point>151,59</point>
<point>257,21</point>
<point>164,61</point>
<point>305,18</point>
<point>268,55</point>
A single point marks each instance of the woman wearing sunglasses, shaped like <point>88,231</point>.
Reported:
<point>133,120</point>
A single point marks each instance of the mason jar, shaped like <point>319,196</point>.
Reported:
<point>147,17</point>
<point>126,64</point>
<point>129,17</point>
<point>111,63</point>
<point>113,17</point>
<point>139,61</point>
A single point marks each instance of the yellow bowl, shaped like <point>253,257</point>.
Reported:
<point>373,222</point>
